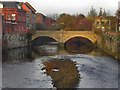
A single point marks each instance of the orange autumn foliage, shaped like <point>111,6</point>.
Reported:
<point>69,22</point>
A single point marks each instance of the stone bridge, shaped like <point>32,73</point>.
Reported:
<point>63,36</point>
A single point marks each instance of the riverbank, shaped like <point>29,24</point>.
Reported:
<point>109,52</point>
<point>109,44</point>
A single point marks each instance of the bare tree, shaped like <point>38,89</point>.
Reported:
<point>54,16</point>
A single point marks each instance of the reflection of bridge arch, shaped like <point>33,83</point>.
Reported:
<point>63,36</point>
<point>80,38</point>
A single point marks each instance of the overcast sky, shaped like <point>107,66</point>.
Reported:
<point>71,6</point>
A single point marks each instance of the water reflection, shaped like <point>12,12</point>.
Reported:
<point>79,45</point>
<point>51,49</point>
<point>38,70</point>
<point>17,55</point>
<point>54,49</point>
<point>45,49</point>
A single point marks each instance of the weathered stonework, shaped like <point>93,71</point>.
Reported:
<point>109,44</point>
<point>15,40</point>
<point>63,36</point>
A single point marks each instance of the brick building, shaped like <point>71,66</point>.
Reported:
<point>40,18</point>
<point>43,22</point>
<point>30,15</point>
<point>40,21</point>
<point>14,24</point>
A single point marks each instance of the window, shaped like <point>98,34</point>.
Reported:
<point>8,17</point>
<point>20,37</point>
<point>1,5</point>
<point>97,22</point>
<point>19,28</point>
<point>23,38</point>
<point>13,16</point>
<point>22,28</point>
<point>27,14</point>
<point>27,27</point>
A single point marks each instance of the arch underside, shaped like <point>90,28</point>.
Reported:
<point>66,38</point>
<point>87,37</point>
<point>42,40</point>
<point>45,37</point>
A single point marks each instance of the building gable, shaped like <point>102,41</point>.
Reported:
<point>25,7</point>
<point>30,7</point>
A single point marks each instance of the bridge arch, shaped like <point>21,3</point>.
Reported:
<point>42,40</point>
<point>63,36</point>
<point>79,44</point>
<point>77,36</point>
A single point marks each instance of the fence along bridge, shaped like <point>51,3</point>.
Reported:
<point>63,36</point>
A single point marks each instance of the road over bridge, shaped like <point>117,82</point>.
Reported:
<point>63,36</point>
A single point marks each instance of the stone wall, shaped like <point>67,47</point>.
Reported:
<point>109,44</point>
<point>15,40</point>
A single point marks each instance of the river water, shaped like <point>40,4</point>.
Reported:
<point>23,68</point>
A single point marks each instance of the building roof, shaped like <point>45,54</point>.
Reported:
<point>40,14</point>
<point>102,18</point>
<point>29,6</point>
<point>26,6</point>
<point>98,17</point>
<point>11,4</point>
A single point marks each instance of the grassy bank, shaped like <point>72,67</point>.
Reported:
<point>118,36</point>
<point>104,49</point>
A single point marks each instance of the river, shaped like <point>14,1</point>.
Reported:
<point>25,68</point>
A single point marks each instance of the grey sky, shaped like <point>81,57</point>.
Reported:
<point>72,6</point>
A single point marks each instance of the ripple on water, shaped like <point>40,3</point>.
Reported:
<point>95,72</point>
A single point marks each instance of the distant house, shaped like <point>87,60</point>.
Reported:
<point>48,21</point>
<point>103,23</point>
<point>30,15</point>
<point>40,18</point>
<point>43,22</point>
<point>14,23</point>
